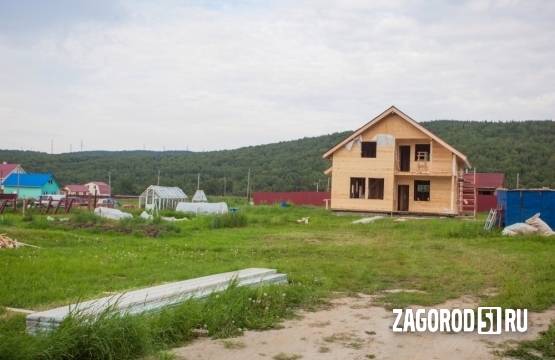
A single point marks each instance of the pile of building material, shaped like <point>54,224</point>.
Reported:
<point>6,242</point>
<point>534,225</point>
<point>154,298</point>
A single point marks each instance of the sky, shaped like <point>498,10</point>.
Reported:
<point>212,75</point>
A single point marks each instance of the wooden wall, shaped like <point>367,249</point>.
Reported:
<point>349,164</point>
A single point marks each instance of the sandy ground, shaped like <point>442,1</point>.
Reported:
<point>352,328</point>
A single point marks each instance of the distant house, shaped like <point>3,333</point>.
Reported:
<point>486,186</point>
<point>98,188</point>
<point>75,190</point>
<point>31,185</point>
<point>393,164</point>
<point>7,169</point>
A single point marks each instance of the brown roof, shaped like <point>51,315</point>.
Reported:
<point>103,188</point>
<point>389,111</point>
<point>487,180</point>
<point>77,188</point>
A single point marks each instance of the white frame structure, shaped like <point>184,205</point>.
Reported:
<point>161,197</point>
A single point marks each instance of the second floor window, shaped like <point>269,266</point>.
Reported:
<point>368,149</point>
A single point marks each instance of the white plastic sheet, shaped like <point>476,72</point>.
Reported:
<point>203,208</point>
<point>114,214</point>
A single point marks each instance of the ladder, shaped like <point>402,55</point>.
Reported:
<point>422,160</point>
<point>466,200</point>
<point>492,218</point>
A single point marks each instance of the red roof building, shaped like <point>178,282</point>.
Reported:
<point>98,188</point>
<point>7,169</point>
<point>486,186</point>
<point>76,190</point>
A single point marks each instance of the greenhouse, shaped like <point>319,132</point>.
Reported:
<point>161,197</point>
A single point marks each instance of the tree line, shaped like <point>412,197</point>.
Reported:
<point>526,148</point>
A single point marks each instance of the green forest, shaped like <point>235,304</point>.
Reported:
<point>523,147</point>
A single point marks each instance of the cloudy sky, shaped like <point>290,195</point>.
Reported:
<point>210,75</point>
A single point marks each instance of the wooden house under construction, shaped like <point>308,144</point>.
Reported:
<point>393,164</point>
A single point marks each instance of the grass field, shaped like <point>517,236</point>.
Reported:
<point>85,258</point>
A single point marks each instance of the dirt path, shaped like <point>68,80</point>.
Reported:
<point>354,329</point>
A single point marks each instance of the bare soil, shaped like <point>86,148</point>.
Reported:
<point>354,328</point>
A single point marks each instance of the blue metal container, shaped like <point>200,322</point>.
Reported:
<point>521,204</point>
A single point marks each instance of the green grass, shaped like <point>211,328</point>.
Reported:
<point>443,258</point>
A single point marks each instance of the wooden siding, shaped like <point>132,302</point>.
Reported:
<point>349,164</point>
<point>440,194</point>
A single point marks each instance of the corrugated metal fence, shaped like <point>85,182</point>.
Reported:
<point>519,205</point>
<point>297,198</point>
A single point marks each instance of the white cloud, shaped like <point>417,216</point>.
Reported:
<point>214,77</point>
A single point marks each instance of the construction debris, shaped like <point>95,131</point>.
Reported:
<point>367,220</point>
<point>6,242</point>
<point>534,225</point>
<point>303,220</point>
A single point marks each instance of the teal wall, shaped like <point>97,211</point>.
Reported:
<point>33,192</point>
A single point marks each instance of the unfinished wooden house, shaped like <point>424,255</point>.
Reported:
<point>393,164</point>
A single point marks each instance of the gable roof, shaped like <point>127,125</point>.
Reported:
<point>487,180</point>
<point>166,192</point>
<point>76,188</point>
<point>103,188</point>
<point>394,110</point>
<point>5,169</point>
<point>27,180</point>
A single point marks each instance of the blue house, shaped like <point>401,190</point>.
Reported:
<point>31,185</point>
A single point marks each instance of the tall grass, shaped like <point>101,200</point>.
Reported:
<point>444,258</point>
<point>113,335</point>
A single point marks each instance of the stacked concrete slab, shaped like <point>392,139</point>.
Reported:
<point>155,298</point>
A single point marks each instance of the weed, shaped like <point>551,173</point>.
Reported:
<point>324,349</point>
<point>229,344</point>
<point>283,356</point>
<point>530,349</point>
<point>370,332</point>
<point>229,220</point>
<point>370,356</point>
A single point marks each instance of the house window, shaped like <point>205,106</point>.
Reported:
<point>421,190</point>
<point>357,190</point>
<point>368,149</point>
<point>375,189</point>
<point>50,181</point>
<point>422,148</point>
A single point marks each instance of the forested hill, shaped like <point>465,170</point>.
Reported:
<point>284,166</point>
<point>526,147</point>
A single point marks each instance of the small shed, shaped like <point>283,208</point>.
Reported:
<point>521,204</point>
<point>199,196</point>
<point>161,197</point>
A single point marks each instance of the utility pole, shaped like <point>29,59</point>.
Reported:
<point>158,178</point>
<point>198,181</point>
<point>517,178</point>
<point>248,184</point>
<point>318,183</point>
